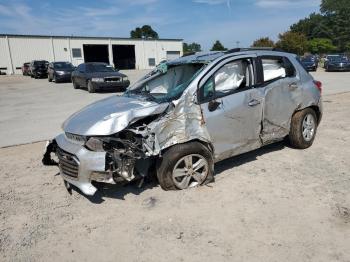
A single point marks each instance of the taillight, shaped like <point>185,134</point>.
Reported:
<point>318,85</point>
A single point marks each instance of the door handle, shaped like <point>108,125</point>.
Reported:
<point>293,86</point>
<point>253,102</point>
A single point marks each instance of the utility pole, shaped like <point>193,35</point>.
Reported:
<point>237,43</point>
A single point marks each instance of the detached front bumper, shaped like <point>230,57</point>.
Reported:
<point>79,166</point>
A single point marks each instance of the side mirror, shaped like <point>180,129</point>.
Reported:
<point>213,105</point>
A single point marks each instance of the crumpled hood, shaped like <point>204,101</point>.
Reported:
<point>110,115</point>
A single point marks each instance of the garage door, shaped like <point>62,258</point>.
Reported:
<point>170,55</point>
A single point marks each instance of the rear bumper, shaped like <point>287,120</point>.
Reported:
<point>39,74</point>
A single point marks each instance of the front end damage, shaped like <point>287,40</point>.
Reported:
<point>130,154</point>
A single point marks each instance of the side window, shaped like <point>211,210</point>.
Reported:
<point>290,69</point>
<point>276,67</point>
<point>233,77</point>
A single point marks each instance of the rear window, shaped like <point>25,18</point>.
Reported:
<point>277,67</point>
<point>40,62</point>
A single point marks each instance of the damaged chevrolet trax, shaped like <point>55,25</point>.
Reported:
<point>187,114</point>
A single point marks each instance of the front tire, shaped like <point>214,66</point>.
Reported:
<point>303,128</point>
<point>91,88</point>
<point>75,85</point>
<point>185,165</point>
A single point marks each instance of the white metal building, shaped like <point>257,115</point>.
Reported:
<point>123,53</point>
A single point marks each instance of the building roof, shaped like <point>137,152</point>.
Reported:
<point>92,37</point>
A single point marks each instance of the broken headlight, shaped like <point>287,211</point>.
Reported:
<point>94,144</point>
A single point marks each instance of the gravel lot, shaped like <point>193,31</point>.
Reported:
<point>273,204</point>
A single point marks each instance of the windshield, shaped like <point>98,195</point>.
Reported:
<point>99,68</point>
<point>63,65</point>
<point>165,84</point>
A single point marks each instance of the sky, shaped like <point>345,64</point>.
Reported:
<point>201,21</point>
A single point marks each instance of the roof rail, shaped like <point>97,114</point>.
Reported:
<point>235,50</point>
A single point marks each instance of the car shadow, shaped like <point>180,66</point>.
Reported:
<point>116,191</point>
<point>119,191</point>
<point>247,157</point>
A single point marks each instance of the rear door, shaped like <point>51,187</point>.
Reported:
<point>282,92</point>
<point>232,106</point>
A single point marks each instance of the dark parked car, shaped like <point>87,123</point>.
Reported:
<point>337,63</point>
<point>60,72</point>
<point>310,63</point>
<point>96,76</point>
<point>25,69</point>
<point>38,68</point>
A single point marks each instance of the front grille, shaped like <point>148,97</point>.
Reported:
<point>68,163</point>
<point>112,79</point>
<point>75,138</point>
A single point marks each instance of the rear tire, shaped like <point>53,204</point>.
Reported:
<point>303,128</point>
<point>91,89</point>
<point>174,171</point>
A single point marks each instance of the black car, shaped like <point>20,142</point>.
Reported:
<point>60,72</point>
<point>337,63</point>
<point>96,76</point>
<point>38,68</point>
<point>310,63</point>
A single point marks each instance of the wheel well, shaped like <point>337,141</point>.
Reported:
<point>318,112</point>
<point>206,144</point>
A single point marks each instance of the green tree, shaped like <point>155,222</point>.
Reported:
<point>333,23</point>
<point>217,46</point>
<point>314,26</point>
<point>321,46</point>
<point>337,11</point>
<point>292,42</point>
<point>145,32</point>
<point>263,42</point>
<point>191,48</point>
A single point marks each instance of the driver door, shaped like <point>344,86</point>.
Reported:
<point>232,106</point>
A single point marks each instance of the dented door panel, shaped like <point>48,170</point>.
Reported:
<point>235,126</point>
<point>282,98</point>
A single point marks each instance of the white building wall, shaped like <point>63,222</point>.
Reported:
<point>26,48</point>
<point>4,55</point>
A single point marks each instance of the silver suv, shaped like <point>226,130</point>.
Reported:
<point>187,114</point>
